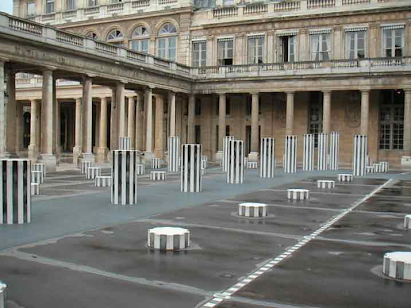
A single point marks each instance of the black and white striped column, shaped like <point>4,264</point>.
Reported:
<point>168,238</point>
<point>35,190</point>
<point>93,172</point>
<point>345,177</point>
<point>267,157</point>
<point>3,288</point>
<point>235,162</point>
<point>173,153</point>
<point>308,152</point>
<point>39,167</point>
<point>397,265</point>
<point>334,150</point>
<point>360,155</point>
<point>85,165</point>
<point>191,175</point>
<point>124,177</point>
<point>325,184</point>
<point>407,222</point>
<point>155,163</point>
<point>322,151</point>
<point>102,181</point>
<point>124,143</point>
<point>298,194</point>
<point>141,169</point>
<point>157,175</point>
<point>224,161</point>
<point>37,177</point>
<point>15,191</point>
<point>290,154</point>
<point>251,209</point>
<point>385,166</point>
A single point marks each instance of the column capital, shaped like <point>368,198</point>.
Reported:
<point>408,91</point>
<point>254,93</point>
<point>289,92</point>
<point>48,69</point>
<point>364,90</point>
<point>327,91</point>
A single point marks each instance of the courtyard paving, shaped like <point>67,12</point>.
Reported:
<point>81,251</point>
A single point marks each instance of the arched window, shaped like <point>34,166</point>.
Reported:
<point>115,37</point>
<point>139,39</point>
<point>167,42</point>
<point>92,35</point>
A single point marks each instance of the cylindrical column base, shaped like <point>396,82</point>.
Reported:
<point>250,209</point>
<point>397,265</point>
<point>168,238</point>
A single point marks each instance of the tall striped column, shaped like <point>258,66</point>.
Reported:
<point>360,155</point>
<point>290,154</point>
<point>3,288</point>
<point>322,151</point>
<point>235,163</point>
<point>124,143</point>
<point>267,157</point>
<point>124,177</point>
<point>15,191</point>
<point>308,152</point>
<point>334,150</point>
<point>173,153</point>
<point>191,177</point>
<point>224,162</point>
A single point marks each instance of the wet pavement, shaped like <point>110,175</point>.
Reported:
<point>81,251</point>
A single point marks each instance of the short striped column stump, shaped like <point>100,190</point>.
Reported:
<point>384,166</point>
<point>250,209</point>
<point>325,184</point>
<point>93,172</point>
<point>39,167</point>
<point>407,222</point>
<point>252,165</point>
<point>3,288</point>
<point>377,167</point>
<point>245,161</point>
<point>157,175</point>
<point>155,163</point>
<point>84,166</point>
<point>369,169</point>
<point>397,265</point>
<point>35,189</point>
<point>298,194</point>
<point>168,238</point>
<point>37,177</point>
<point>141,169</point>
<point>203,163</point>
<point>124,143</point>
<point>345,177</point>
<point>102,181</point>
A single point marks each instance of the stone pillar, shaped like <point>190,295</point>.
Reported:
<point>11,119</point>
<point>253,156</point>
<point>2,113</point>
<point>102,144</point>
<point>131,122</point>
<point>159,126</point>
<point>33,131</point>
<point>47,112</point>
<point>122,109</point>
<point>190,119</point>
<point>114,121</point>
<point>327,112</point>
<point>172,102</point>
<point>77,139</point>
<point>289,114</point>
<point>365,108</point>
<point>87,129</point>
<point>149,130</point>
<point>57,127</point>
<point>19,127</point>
<point>139,122</point>
<point>406,159</point>
<point>221,125</point>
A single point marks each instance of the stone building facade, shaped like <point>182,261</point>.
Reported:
<point>263,69</point>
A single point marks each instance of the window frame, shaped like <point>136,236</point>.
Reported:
<point>33,4</point>
<point>393,36</point>
<point>119,41</point>
<point>255,49</point>
<point>201,59</point>
<point>223,43</point>
<point>138,39</point>
<point>70,5</point>
<point>388,128</point>
<point>323,37</point>
<point>353,36</point>
<point>167,37</point>
<point>52,5</point>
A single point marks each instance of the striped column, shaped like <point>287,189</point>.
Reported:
<point>35,190</point>
<point>93,172</point>
<point>322,151</point>
<point>385,166</point>
<point>85,165</point>
<point>360,155</point>
<point>102,181</point>
<point>141,169</point>
<point>191,176</point>
<point>124,177</point>
<point>3,288</point>
<point>298,194</point>
<point>250,209</point>
<point>124,143</point>
<point>397,265</point>
<point>267,157</point>
<point>39,167</point>
<point>224,162</point>
<point>173,153</point>
<point>15,191</point>
<point>155,163</point>
<point>168,238</point>
<point>308,152</point>
<point>158,175</point>
<point>345,177</point>
<point>235,163</point>
<point>334,150</point>
<point>37,177</point>
<point>407,222</point>
<point>325,184</point>
<point>290,154</point>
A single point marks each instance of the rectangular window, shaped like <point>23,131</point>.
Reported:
<point>355,44</point>
<point>49,6</point>
<point>393,42</point>
<point>92,2</point>
<point>199,53</point>
<point>197,107</point>
<point>31,9</point>
<point>228,2</point>
<point>140,45</point>
<point>225,52</point>
<point>287,48</point>
<point>392,120</point>
<point>320,46</point>
<point>255,49</point>
<point>197,133</point>
<point>70,5</point>
<point>167,48</point>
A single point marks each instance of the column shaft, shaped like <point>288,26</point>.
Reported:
<point>131,122</point>
<point>172,102</point>
<point>2,113</point>
<point>149,112</point>
<point>87,115</point>
<point>365,107</point>
<point>58,128</point>
<point>327,112</point>
<point>77,139</point>
<point>11,132</point>
<point>47,113</point>
<point>139,122</point>
<point>289,114</point>
<point>122,108</point>
<point>407,122</point>
<point>159,145</point>
<point>221,121</point>
<point>254,122</point>
<point>33,131</point>
<point>103,123</point>
<point>190,119</point>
